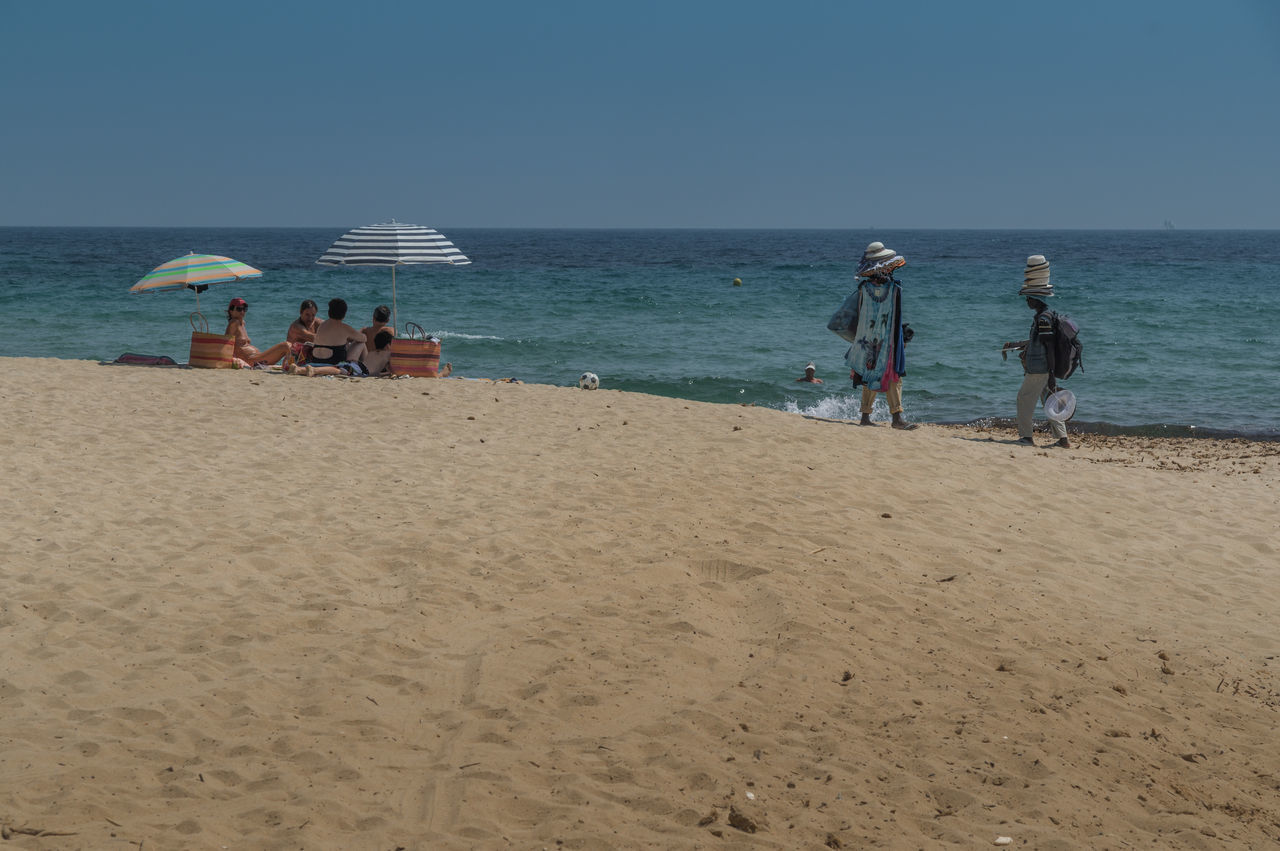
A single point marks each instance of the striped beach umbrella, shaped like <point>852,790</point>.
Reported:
<point>392,244</point>
<point>194,272</point>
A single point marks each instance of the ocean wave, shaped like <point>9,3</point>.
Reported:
<point>459,335</point>
<point>838,407</point>
<point>826,408</point>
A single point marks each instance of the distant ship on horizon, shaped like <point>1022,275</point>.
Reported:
<point>1168,225</point>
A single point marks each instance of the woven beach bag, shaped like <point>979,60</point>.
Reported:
<point>210,351</point>
<point>416,353</point>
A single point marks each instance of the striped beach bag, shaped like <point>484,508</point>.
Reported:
<point>210,351</point>
<point>416,353</point>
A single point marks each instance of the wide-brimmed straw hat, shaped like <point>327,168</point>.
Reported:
<point>1060,406</point>
<point>877,251</point>
<point>1035,278</point>
<point>878,260</point>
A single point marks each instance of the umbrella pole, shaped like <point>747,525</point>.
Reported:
<point>394,320</point>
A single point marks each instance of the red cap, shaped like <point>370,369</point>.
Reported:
<point>238,302</point>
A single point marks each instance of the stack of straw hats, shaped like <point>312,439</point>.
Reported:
<point>1035,280</point>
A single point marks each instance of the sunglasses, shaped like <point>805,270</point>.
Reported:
<point>241,307</point>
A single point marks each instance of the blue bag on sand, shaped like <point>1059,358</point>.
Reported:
<point>845,320</point>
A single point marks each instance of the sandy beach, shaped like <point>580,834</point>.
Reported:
<point>250,610</point>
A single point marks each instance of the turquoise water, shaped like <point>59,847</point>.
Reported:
<point>1180,327</point>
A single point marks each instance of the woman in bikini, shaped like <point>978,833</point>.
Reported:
<point>302,332</point>
<point>246,354</point>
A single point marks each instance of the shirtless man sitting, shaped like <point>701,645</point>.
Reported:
<point>336,341</point>
<point>378,361</point>
<point>381,314</point>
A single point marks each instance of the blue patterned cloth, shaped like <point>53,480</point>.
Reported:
<point>876,356</point>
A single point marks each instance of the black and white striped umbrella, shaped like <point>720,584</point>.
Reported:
<point>392,244</point>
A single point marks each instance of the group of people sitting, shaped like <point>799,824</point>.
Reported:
<point>313,347</point>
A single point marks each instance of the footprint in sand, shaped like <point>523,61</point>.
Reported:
<point>719,570</point>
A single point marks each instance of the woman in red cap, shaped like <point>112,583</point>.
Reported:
<point>247,355</point>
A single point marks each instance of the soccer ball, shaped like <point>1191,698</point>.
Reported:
<point>588,381</point>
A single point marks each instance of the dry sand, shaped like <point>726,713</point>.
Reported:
<point>248,610</point>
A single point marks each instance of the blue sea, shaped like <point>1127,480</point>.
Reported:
<point>1180,327</point>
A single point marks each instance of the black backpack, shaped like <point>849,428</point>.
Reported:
<point>1067,348</point>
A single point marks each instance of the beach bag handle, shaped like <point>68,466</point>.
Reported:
<point>414,331</point>
<point>203,327</point>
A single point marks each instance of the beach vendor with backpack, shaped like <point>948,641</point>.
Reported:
<point>1039,353</point>
<point>871,319</point>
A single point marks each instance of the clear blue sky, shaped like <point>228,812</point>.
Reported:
<point>645,114</point>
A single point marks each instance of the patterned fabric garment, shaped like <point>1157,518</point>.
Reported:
<point>872,352</point>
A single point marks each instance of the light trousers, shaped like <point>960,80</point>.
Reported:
<point>1035,388</point>
<point>893,396</point>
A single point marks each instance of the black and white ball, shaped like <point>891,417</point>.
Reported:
<point>588,381</point>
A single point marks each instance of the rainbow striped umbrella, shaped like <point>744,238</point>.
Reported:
<point>194,272</point>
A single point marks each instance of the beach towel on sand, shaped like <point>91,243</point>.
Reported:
<point>132,359</point>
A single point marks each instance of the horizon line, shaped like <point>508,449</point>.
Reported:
<point>1160,228</point>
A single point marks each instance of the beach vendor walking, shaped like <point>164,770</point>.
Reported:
<point>871,319</point>
<point>1037,353</point>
